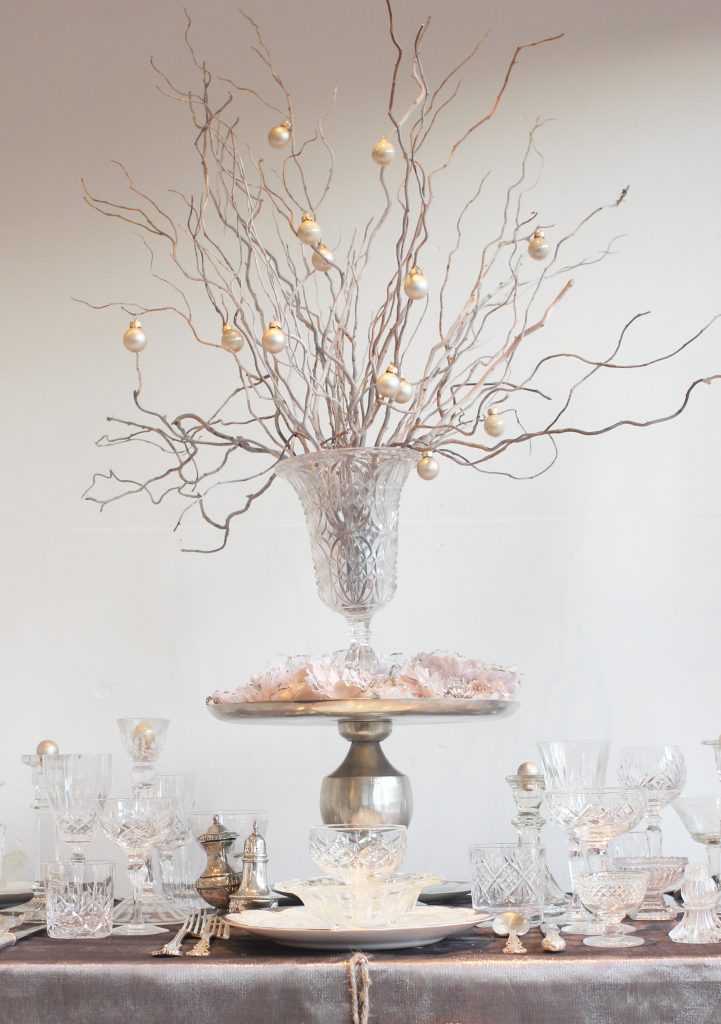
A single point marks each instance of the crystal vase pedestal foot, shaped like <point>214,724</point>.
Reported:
<point>366,789</point>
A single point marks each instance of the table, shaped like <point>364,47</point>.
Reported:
<point>459,981</point>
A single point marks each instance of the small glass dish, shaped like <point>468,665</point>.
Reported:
<point>348,853</point>
<point>372,903</point>
<point>663,873</point>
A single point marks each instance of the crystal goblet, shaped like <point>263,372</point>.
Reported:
<point>182,789</point>
<point>593,817</point>
<point>75,783</point>
<point>611,895</point>
<point>701,816</point>
<point>136,824</point>
<point>179,871</point>
<point>351,854</point>
<point>574,764</point>
<point>661,771</point>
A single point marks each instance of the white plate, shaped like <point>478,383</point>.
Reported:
<point>15,892</point>
<point>296,926</point>
<point>445,891</point>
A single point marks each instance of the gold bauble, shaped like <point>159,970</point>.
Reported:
<point>493,423</point>
<point>427,468</point>
<point>46,748</point>
<point>273,339</point>
<point>309,230</point>
<point>527,770</point>
<point>405,391</point>
<point>135,338</point>
<point>232,340</point>
<point>415,285</point>
<point>383,152</point>
<point>322,258</point>
<point>538,247</point>
<point>388,383</point>
<point>143,735</point>
<point>279,135</point>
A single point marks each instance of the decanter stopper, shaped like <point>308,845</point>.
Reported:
<point>253,892</point>
<point>700,922</point>
<point>218,881</point>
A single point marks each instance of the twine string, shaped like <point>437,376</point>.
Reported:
<point>360,982</point>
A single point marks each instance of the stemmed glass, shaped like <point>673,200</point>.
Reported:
<point>75,783</point>
<point>611,895</point>
<point>144,739</point>
<point>574,764</point>
<point>182,789</point>
<point>136,824</point>
<point>593,817</point>
<point>661,771</point>
<point>701,815</point>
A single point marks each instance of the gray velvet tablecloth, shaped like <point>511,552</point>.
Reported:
<point>459,981</point>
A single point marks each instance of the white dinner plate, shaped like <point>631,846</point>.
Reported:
<point>445,891</point>
<point>296,926</point>
<point>12,893</point>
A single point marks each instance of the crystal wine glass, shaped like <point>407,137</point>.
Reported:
<point>661,771</point>
<point>136,824</point>
<point>611,895</point>
<point>574,764</point>
<point>701,815</point>
<point>182,789</point>
<point>593,817</point>
<point>75,783</point>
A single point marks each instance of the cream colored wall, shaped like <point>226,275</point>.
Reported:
<point>600,579</point>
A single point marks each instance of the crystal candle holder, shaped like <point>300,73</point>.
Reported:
<point>700,922</point>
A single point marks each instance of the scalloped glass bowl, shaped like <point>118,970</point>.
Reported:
<point>348,853</point>
<point>373,903</point>
<point>663,873</point>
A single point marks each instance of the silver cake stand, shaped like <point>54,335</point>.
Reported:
<point>365,789</point>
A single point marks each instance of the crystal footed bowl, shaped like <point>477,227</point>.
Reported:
<point>663,873</point>
<point>351,854</point>
<point>367,904</point>
<point>595,816</point>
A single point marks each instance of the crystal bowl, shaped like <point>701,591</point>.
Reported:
<point>348,853</point>
<point>663,873</point>
<point>368,904</point>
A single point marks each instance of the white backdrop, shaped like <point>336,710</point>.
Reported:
<point>600,580</point>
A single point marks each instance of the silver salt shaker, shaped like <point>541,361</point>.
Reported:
<point>253,893</point>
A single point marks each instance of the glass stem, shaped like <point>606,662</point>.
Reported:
<point>78,854</point>
<point>360,652</point>
<point>713,852</point>
<point>653,830</point>
<point>135,868</point>
<point>576,867</point>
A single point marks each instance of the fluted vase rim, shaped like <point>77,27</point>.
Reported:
<point>400,454</point>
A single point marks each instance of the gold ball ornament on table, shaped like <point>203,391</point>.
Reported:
<point>279,134</point>
<point>135,338</point>
<point>322,258</point>
<point>232,340</point>
<point>273,339</point>
<point>415,284</point>
<point>309,231</point>
<point>383,152</point>
<point>494,424</point>
<point>47,748</point>
<point>538,247</point>
<point>405,392</point>
<point>389,382</point>
<point>428,468</point>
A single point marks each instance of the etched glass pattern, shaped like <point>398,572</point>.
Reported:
<point>350,497</point>
<point>356,854</point>
<point>505,877</point>
<point>594,816</point>
<point>79,900</point>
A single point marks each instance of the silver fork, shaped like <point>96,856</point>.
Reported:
<point>213,928</point>
<point>194,922</point>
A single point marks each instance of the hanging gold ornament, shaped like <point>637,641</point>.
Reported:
<point>273,339</point>
<point>538,247</point>
<point>389,382</point>
<point>135,338</point>
<point>427,468</point>
<point>309,230</point>
<point>322,258</point>
<point>493,423</point>
<point>415,285</point>
<point>279,135</point>
<point>232,340</point>
<point>405,391</point>
<point>383,152</point>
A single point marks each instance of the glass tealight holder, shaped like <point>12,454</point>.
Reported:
<point>508,876</point>
<point>349,853</point>
<point>79,899</point>
<point>700,922</point>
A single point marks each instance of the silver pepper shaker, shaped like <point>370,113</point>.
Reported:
<point>253,893</point>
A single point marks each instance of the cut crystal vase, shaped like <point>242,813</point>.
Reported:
<point>350,497</point>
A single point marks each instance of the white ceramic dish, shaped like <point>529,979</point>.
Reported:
<point>445,891</point>
<point>296,926</point>
<point>12,893</point>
